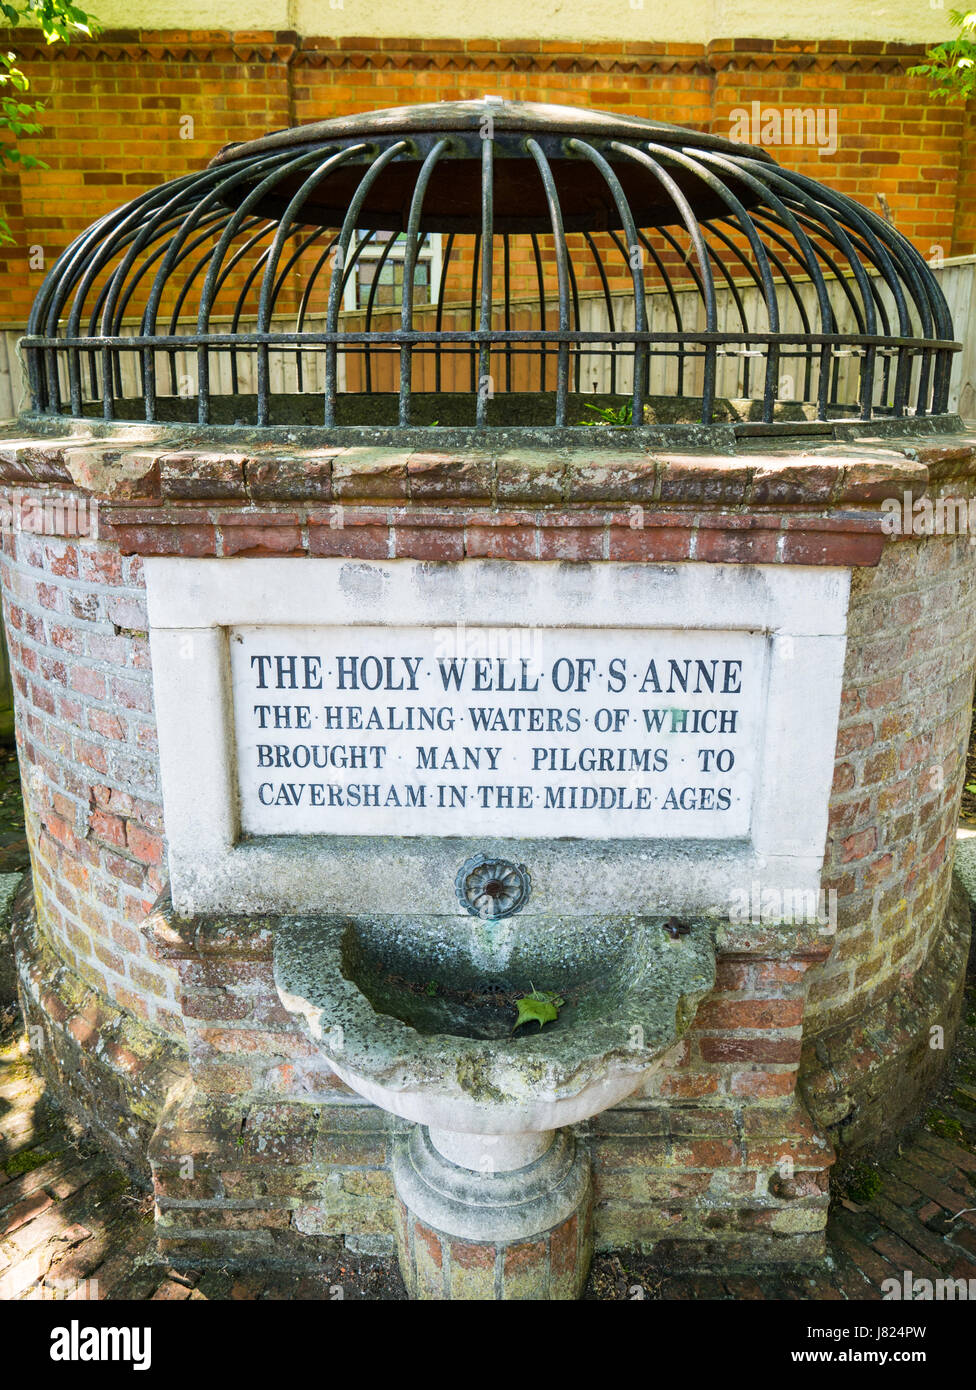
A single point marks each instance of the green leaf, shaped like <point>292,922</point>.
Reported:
<point>59,20</point>
<point>541,1006</point>
<point>950,65</point>
<point>611,415</point>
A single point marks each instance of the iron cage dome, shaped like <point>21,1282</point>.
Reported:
<point>589,267</point>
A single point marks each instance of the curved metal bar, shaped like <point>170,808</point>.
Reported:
<point>475,265</point>
<point>928,298</point>
<point>852,246</point>
<point>409,267</point>
<point>829,369</point>
<point>797,298</point>
<point>562,274</point>
<point>188,283</point>
<point>282,280</point>
<point>172,258</point>
<point>823,228</point>
<point>819,233</point>
<point>307,291</point>
<point>96,311</point>
<point>78,270</point>
<point>59,274</point>
<point>352,260</point>
<point>144,236</point>
<point>850,214</point>
<point>244,291</point>
<point>726,196</point>
<point>335,284</point>
<point>131,287</point>
<point>733,288</point>
<point>763,179</point>
<point>912,260</point>
<point>52,375</point>
<point>251,199</point>
<point>608,304</point>
<point>265,298</point>
<point>761,186</point>
<point>174,250</point>
<point>655,167</point>
<point>203,236</point>
<point>130,229</point>
<point>310,284</point>
<point>541,282</point>
<point>487,278</point>
<point>507,300</point>
<point>684,258</point>
<point>374,286</point>
<point>574,297</point>
<point>265,230</point>
<point>296,255</point>
<point>636,262</point>
<point>769,226</point>
<point>439,317</point>
<point>646,245</point>
<point>42,364</point>
<point>217,188</point>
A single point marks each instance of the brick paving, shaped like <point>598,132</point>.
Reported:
<point>73,1223</point>
<point>14,855</point>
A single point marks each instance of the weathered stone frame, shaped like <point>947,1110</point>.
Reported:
<point>193,603</point>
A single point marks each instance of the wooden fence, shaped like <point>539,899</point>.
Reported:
<point>738,374</point>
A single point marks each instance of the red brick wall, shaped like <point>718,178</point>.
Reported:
<point>74,611</point>
<point>905,719</point>
<point>115,109</point>
<point>76,622</point>
<point>964,229</point>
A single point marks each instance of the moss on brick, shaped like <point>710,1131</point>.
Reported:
<point>859,1183</point>
<point>26,1161</point>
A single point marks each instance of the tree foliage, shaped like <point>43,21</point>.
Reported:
<point>951,66</point>
<point>59,22</point>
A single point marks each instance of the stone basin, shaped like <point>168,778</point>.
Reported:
<point>417,1015</point>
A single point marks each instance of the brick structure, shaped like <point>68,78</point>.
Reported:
<point>440,1268</point>
<point>142,106</point>
<point>76,616</point>
<point>716,1156</point>
<point>809,1042</point>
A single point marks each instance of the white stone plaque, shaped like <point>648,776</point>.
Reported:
<point>602,733</point>
<point>669,739</point>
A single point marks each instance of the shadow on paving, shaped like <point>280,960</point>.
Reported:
<point>73,1223</point>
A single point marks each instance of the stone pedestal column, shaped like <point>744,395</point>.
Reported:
<point>481,1227</point>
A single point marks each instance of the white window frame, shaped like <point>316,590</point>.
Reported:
<point>430,252</point>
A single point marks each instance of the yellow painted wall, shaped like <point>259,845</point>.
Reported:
<point>680,21</point>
